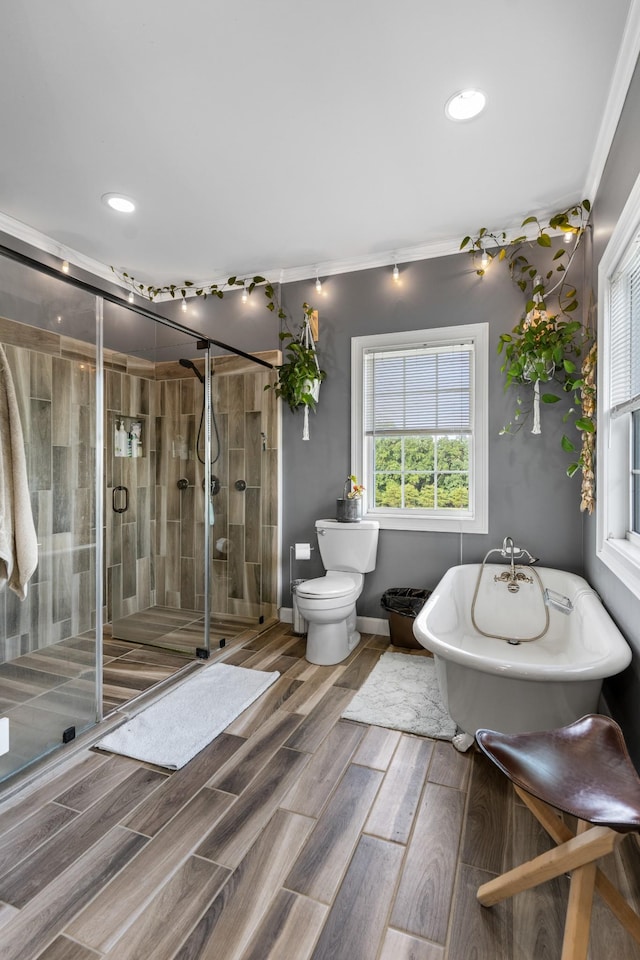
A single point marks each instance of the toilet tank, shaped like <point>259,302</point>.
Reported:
<point>348,546</point>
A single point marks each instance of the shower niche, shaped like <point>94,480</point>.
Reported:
<point>129,436</point>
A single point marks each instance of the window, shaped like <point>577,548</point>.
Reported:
<point>618,543</point>
<point>419,427</point>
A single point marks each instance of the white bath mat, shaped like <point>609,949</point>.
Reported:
<point>171,731</point>
<point>402,693</point>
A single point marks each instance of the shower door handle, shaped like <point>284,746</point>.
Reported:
<point>123,500</point>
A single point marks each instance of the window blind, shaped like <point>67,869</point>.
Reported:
<point>419,390</point>
<point>624,295</point>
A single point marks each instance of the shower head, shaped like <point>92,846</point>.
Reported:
<point>190,365</point>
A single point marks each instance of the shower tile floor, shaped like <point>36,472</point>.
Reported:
<point>45,692</point>
<point>294,835</point>
<point>183,630</point>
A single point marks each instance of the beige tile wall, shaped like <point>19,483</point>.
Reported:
<point>244,581</point>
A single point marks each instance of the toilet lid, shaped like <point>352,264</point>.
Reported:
<point>326,587</point>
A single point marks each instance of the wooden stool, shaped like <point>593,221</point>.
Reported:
<point>583,770</point>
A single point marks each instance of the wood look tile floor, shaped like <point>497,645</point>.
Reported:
<point>294,835</point>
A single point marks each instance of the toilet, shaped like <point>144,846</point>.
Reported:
<point>328,603</point>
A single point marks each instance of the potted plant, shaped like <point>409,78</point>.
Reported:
<point>299,376</point>
<point>349,506</point>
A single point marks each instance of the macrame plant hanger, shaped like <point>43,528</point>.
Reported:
<point>314,386</point>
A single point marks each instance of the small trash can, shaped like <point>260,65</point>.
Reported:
<point>299,624</point>
<point>403,605</point>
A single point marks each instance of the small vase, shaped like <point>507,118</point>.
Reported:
<point>349,510</point>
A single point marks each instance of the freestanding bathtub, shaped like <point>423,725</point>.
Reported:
<point>515,684</point>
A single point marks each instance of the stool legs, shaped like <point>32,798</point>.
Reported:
<point>576,854</point>
<point>575,944</point>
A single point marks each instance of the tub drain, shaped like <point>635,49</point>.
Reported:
<point>514,643</point>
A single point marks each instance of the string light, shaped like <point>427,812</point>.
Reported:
<point>130,297</point>
<point>184,305</point>
<point>245,295</point>
<point>318,284</point>
<point>65,266</point>
<point>396,273</point>
<point>568,236</point>
<point>485,260</point>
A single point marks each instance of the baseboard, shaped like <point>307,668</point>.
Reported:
<point>377,625</point>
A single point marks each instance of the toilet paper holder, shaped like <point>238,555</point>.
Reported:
<point>298,623</point>
<point>293,556</point>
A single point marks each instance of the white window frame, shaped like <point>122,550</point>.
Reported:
<point>476,518</point>
<point>616,546</point>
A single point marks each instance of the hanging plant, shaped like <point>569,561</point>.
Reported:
<point>547,346</point>
<point>299,377</point>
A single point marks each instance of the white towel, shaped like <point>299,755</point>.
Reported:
<point>18,542</point>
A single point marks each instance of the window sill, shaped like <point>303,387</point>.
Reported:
<point>623,560</point>
<point>432,524</point>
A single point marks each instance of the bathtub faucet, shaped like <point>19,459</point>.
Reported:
<point>513,577</point>
<point>508,550</point>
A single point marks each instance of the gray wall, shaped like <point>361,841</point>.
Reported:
<point>621,172</point>
<point>531,498</point>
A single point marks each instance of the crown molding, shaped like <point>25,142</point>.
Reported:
<point>401,255</point>
<point>622,74</point>
<point>40,241</point>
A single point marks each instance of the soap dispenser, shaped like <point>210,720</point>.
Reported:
<point>121,440</point>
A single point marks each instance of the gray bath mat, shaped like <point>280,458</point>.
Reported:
<point>171,731</point>
<point>402,693</point>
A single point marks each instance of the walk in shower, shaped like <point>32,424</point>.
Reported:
<point>132,420</point>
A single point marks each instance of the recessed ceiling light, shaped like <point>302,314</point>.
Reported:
<point>465,105</point>
<point>117,202</point>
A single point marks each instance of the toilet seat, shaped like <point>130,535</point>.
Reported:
<point>326,588</point>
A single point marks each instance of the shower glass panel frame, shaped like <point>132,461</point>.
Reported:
<point>61,353</point>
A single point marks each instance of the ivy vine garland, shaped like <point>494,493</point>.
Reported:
<point>547,347</point>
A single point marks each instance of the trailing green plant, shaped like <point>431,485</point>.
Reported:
<point>548,345</point>
<point>299,375</point>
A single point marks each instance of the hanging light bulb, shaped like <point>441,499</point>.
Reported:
<point>568,236</point>
<point>245,295</point>
<point>318,284</point>
<point>396,273</point>
<point>65,266</point>
<point>184,305</point>
<point>485,260</point>
<point>130,297</point>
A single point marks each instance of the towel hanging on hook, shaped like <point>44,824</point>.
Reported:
<point>18,541</point>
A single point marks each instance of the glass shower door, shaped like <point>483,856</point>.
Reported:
<point>245,468</point>
<point>155,505</point>
<point>48,647</point>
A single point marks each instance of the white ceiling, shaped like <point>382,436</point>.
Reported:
<point>283,136</point>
